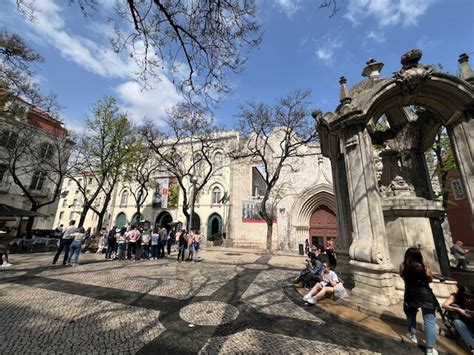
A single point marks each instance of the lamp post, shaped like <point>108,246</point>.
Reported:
<point>193,180</point>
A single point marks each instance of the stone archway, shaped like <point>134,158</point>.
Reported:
<point>120,220</point>
<point>304,207</point>
<point>388,213</point>
<point>214,225</point>
<point>163,220</point>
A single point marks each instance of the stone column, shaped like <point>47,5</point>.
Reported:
<point>343,216</point>
<point>461,135</point>
<point>369,253</point>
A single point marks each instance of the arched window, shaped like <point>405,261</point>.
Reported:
<point>218,163</point>
<point>216,195</point>
<point>124,198</point>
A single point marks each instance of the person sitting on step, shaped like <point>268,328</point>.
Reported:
<point>323,288</point>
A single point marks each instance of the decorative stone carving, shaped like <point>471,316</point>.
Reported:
<point>412,74</point>
<point>392,183</point>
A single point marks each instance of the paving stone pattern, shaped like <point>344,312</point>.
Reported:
<point>238,302</point>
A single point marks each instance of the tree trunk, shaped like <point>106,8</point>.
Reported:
<point>31,221</point>
<point>269,236</point>
<point>99,221</point>
<point>85,209</point>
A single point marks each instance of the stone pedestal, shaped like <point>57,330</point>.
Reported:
<point>407,222</point>
<point>374,283</point>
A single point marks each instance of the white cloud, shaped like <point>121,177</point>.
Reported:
<point>376,36</point>
<point>151,103</point>
<point>98,58</point>
<point>387,12</point>
<point>289,7</point>
<point>327,48</point>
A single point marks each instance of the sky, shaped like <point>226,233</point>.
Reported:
<point>302,48</point>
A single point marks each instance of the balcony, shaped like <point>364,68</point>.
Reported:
<point>156,202</point>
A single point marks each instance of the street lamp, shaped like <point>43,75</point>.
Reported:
<point>193,180</point>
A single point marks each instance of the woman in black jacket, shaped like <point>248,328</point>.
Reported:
<point>418,294</point>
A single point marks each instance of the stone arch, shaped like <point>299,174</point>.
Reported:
<point>164,219</point>
<point>303,208</point>
<point>120,220</point>
<point>214,224</point>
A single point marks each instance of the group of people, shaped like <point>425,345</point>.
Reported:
<point>129,242</point>
<point>418,295</point>
<point>319,276</point>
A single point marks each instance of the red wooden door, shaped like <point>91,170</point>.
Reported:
<point>322,225</point>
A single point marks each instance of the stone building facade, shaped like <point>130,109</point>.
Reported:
<point>43,137</point>
<point>304,202</point>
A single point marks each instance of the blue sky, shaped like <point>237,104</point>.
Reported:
<point>302,48</point>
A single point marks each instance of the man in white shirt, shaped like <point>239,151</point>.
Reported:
<point>65,242</point>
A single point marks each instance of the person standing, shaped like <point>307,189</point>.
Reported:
<point>145,242</point>
<point>132,243</point>
<point>4,250</point>
<point>190,248</point>
<point>65,242</point>
<point>111,243</point>
<point>460,254</point>
<point>161,242</point>
<point>75,250</point>
<point>196,246</point>
<point>155,236</point>
<point>418,294</point>
<point>121,242</point>
<point>181,244</point>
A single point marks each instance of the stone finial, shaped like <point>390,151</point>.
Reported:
<point>344,93</point>
<point>465,71</point>
<point>372,69</point>
<point>411,58</point>
<point>317,114</point>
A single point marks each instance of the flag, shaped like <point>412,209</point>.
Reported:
<point>225,198</point>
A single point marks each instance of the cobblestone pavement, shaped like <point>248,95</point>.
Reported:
<point>233,301</point>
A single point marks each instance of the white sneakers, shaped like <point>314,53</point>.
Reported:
<point>412,337</point>
<point>6,264</point>
<point>309,299</point>
<point>431,351</point>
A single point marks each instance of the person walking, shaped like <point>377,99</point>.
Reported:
<point>418,294</point>
<point>75,250</point>
<point>65,242</point>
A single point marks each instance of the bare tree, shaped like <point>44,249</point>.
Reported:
<point>35,158</point>
<point>103,151</point>
<point>199,42</point>
<point>17,85</point>
<point>273,137</point>
<point>140,173</point>
<point>187,149</point>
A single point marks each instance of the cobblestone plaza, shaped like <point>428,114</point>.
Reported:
<point>233,301</point>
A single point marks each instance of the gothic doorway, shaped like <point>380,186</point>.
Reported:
<point>322,225</point>
<point>214,225</point>
<point>163,220</point>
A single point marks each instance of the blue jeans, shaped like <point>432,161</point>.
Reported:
<point>74,252</point>
<point>464,332</point>
<point>429,322</point>
<point>121,251</point>
<point>154,251</point>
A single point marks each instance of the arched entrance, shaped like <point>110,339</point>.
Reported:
<point>322,225</point>
<point>136,219</point>
<point>214,225</point>
<point>121,220</point>
<point>164,219</point>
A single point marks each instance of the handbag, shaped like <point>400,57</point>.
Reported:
<point>340,291</point>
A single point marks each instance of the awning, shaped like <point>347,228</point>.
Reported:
<point>10,211</point>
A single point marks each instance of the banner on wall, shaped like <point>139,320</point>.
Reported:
<point>162,191</point>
